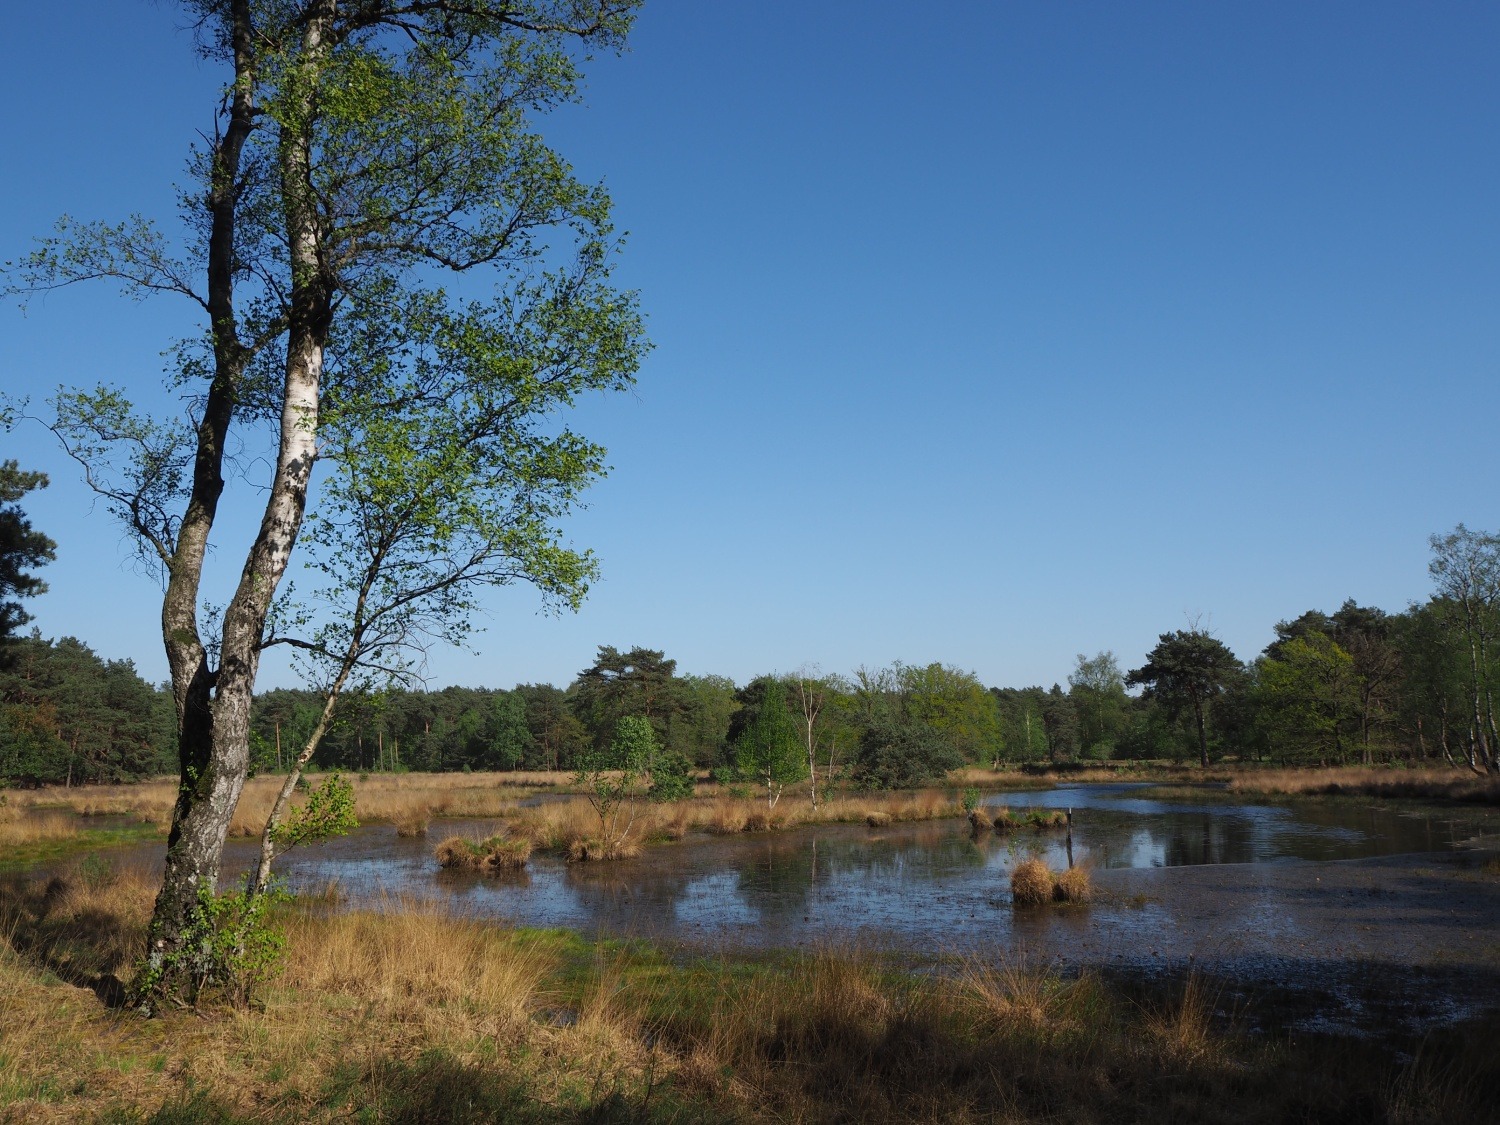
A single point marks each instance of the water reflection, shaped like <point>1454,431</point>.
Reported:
<point>923,885</point>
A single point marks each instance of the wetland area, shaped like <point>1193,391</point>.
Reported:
<point>1335,913</point>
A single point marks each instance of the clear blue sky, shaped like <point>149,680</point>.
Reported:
<point>985,333</point>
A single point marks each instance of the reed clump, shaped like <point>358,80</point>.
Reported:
<point>591,849</point>
<point>1073,885</point>
<point>490,856</point>
<point>414,823</point>
<point>1031,883</point>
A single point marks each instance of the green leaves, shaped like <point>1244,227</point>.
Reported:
<point>770,748</point>
<point>328,812</point>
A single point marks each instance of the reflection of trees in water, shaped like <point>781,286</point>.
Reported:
<point>779,876</point>
<point>773,880</point>
<point>461,883</point>
<point>606,887</point>
<point>1208,838</point>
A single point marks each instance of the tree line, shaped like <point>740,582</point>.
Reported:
<point>1349,684</point>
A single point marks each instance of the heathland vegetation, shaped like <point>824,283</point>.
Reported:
<point>411,1014</point>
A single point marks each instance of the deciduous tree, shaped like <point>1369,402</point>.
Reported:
<point>362,149</point>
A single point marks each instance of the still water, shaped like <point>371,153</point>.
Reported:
<point>926,887</point>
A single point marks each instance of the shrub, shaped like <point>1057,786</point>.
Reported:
<point>902,755</point>
<point>671,777</point>
<point>227,947</point>
<point>1031,883</point>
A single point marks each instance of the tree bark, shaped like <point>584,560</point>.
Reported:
<point>214,704</point>
<point>206,794</point>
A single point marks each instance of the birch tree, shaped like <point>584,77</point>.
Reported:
<point>1465,568</point>
<point>362,150</point>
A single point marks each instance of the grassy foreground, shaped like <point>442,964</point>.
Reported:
<point>413,1015</point>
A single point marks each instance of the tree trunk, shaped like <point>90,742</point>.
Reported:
<point>262,874</point>
<point>205,794</point>
<point>1202,733</point>
<point>214,705</point>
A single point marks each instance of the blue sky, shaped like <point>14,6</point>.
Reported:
<point>985,333</point>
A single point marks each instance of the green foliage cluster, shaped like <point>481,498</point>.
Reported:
<point>229,949</point>
<point>327,812</point>
<point>22,547</point>
<point>69,717</point>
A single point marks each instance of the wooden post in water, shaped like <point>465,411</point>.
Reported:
<point>1070,839</point>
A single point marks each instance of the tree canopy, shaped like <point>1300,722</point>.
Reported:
<point>22,548</point>
<point>1188,669</point>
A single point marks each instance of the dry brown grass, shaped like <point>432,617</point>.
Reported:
<point>590,849</point>
<point>83,925</point>
<point>490,856</point>
<point>1031,883</point>
<point>725,817</point>
<point>20,827</point>
<point>1429,784</point>
<point>1073,885</point>
<point>147,801</point>
<point>1018,994</point>
<point>414,823</point>
<point>1182,1028</point>
<point>877,819</point>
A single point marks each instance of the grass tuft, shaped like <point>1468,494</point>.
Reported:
<point>1031,883</point>
<point>1073,885</point>
<point>489,856</point>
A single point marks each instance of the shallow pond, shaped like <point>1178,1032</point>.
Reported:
<point>1374,911</point>
<point>923,886</point>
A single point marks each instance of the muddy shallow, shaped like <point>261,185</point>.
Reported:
<point>1353,913</point>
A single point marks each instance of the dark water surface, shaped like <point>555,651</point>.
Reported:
<point>924,887</point>
<point>1363,914</point>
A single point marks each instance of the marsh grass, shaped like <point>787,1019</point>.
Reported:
<point>21,828</point>
<point>414,823</point>
<point>1031,883</point>
<point>489,856</point>
<point>1074,885</point>
<point>412,1013</point>
<point>1424,784</point>
<point>1181,1027</point>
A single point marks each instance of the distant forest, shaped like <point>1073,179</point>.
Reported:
<point>1347,685</point>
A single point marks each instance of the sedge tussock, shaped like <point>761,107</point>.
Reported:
<point>1015,993</point>
<point>1031,883</point>
<point>417,955</point>
<point>1182,1029</point>
<point>1073,885</point>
